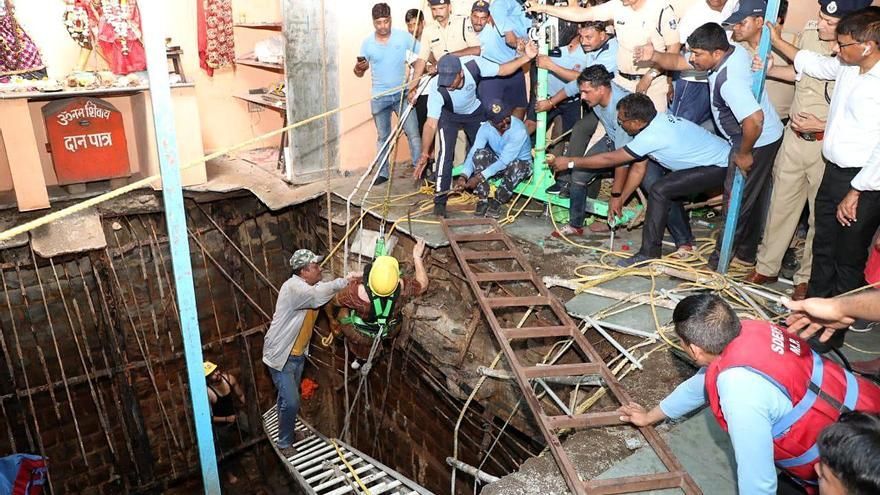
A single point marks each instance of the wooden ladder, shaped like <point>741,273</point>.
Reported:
<point>491,243</point>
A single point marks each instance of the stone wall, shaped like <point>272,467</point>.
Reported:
<point>94,375</point>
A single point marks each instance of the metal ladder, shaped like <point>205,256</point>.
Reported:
<point>487,242</point>
<point>320,469</point>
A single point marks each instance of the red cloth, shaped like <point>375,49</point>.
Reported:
<point>215,34</point>
<point>872,268</point>
<point>18,53</point>
<point>124,52</point>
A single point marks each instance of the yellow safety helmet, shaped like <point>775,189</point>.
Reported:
<point>209,367</point>
<point>384,276</point>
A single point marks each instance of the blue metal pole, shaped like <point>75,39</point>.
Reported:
<point>738,178</point>
<point>169,162</point>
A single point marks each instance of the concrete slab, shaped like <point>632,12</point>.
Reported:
<point>702,448</point>
<point>76,233</point>
<point>233,174</point>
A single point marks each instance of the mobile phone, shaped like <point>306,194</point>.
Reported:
<point>362,59</point>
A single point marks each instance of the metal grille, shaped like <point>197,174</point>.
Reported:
<point>320,470</point>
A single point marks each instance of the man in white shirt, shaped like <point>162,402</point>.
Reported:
<point>848,201</point>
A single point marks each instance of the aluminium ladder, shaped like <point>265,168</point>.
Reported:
<point>481,240</point>
<point>320,469</point>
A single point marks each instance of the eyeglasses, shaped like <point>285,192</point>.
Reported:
<point>844,45</point>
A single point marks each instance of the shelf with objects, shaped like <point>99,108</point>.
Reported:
<point>99,112</point>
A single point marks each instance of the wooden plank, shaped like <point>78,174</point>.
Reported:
<point>536,332</point>
<point>578,369</point>
<point>511,302</point>
<point>502,276</point>
<point>482,237</point>
<point>591,420</point>
<point>470,254</point>
<point>632,484</point>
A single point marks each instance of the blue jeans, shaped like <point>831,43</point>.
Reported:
<point>381,108</point>
<point>581,179</point>
<point>287,382</point>
<point>691,101</point>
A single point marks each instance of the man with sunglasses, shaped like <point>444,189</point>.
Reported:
<point>800,165</point>
<point>848,200</point>
<point>696,160</point>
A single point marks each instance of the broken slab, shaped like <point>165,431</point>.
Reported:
<point>75,233</point>
<point>232,174</point>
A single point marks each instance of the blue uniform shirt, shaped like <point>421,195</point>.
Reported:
<point>509,15</point>
<point>679,144</point>
<point>514,144</point>
<point>751,405</point>
<point>605,55</point>
<point>608,117</point>
<point>732,100</point>
<point>464,100</point>
<point>575,59</point>
<point>387,60</point>
<point>493,46</point>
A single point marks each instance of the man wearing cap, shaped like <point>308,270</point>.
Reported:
<point>498,43</point>
<point>446,33</point>
<point>753,128</point>
<point>591,46</point>
<point>503,149</point>
<point>371,305</point>
<point>636,22</point>
<point>746,25</point>
<point>800,165</point>
<point>386,52</point>
<point>848,200</point>
<point>453,105</point>
<point>286,344</point>
<point>696,160</point>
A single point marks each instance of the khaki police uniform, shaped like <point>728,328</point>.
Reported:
<point>655,23</point>
<point>780,93</point>
<point>798,170</point>
<point>438,40</point>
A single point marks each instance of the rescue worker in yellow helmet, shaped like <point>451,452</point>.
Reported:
<point>371,305</point>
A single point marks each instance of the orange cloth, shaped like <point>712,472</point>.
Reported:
<point>305,333</point>
<point>307,388</point>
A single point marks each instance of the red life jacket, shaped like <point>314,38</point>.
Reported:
<point>819,390</point>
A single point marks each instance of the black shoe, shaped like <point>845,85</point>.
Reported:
<point>482,206</point>
<point>565,192</point>
<point>495,209</point>
<point>288,452</point>
<point>380,180</point>
<point>555,189</point>
<point>790,263</point>
<point>440,210</point>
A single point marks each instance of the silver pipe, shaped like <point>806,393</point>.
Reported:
<point>593,323</point>
<point>555,397</point>
<point>476,473</point>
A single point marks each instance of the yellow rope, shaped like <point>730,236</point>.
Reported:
<point>350,469</point>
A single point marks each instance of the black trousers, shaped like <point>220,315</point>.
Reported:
<point>666,194</point>
<point>421,108</point>
<point>755,201</point>
<point>840,253</point>
<point>449,125</point>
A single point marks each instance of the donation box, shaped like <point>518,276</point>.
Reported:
<point>86,140</point>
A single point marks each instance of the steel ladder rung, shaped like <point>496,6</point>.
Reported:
<point>536,332</point>
<point>369,479</point>
<point>346,475</point>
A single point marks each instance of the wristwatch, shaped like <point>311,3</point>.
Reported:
<point>653,73</point>
<point>616,194</point>
<point>571,164</point>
